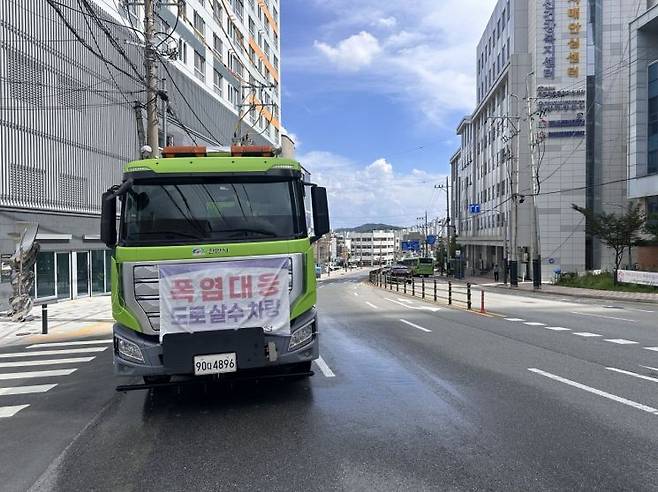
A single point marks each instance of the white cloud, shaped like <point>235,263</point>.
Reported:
<point>296,139</point>
<point>352,53</point>
<point>375,192</point>
<point>386,22</point>
<point>428,57</point>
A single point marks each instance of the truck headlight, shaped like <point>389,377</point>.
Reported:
<point>129,350</point>
<point>301,336</point>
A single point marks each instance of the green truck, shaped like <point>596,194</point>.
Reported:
<point>212,266</point>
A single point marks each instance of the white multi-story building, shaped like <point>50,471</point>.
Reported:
<point>372,248</point>
<point>566,61</point>
<point>72,112</point>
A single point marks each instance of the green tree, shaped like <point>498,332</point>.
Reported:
<point>618,232</point>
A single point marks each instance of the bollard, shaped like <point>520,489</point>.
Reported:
<point>482,311</point>
<point>413,286</point>
<point>44,319</point>
<point>435,290</point>
<point>468,296</point>
<point>449,293</point>
<point>422,283</point>
<point>405,285</point>
<point>397,285</point>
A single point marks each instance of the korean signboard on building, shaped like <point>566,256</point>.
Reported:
<point>225,295</point>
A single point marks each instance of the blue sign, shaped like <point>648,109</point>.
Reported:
<point>431,240</point>
<point>474,208</point>
<point>411,245</point>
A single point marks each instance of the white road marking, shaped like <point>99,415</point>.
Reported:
<point>53,352</point>
<point>595,391</point>
<point>356,294</point>
<point>46,362</point>
<point>534,323</point>
<point>25,390</point>
<point>640,310</point>
<point>419,308</point>
<point>64,344</point>
<point>37,374</point>
<point>606,317</point>
<point>557,328</point>
<point>415,326</point>
<point>655,349</point>
<point>586,334</point>
<point>11,411</point>
<point>322,365</point>
<point>650,368</point>
<point>634,374</point>
<point>621,341</point>
<point>404,300</point>
<point>514,319</point>
<point>371,305</point>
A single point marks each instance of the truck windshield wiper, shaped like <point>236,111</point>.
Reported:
<point>174,233</point>
<point>237,232</point>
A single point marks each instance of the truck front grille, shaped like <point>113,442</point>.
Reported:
<point>147,292</point>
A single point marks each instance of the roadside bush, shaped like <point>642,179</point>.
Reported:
<point>600,281</point>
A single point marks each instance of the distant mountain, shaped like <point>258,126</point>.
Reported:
<point>370,228</point>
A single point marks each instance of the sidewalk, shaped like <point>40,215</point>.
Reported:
<point>548,288</point>
<point>80,318</point>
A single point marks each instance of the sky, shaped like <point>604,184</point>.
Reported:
<point>372,94</point>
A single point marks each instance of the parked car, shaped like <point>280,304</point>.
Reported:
<point>401,273</point>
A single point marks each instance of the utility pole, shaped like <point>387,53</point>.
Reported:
<point>448,222</point>
<point>535,253</point>
<point>165,106</point>
<point>150,64</point>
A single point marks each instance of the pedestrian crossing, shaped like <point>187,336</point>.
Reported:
<point>33,362</point>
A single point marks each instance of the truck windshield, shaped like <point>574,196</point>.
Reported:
<point>167,212</point>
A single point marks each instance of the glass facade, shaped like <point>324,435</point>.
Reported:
<point>652,130</point>
<point>54,272</point>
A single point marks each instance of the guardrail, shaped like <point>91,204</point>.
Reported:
<point>450,293</point>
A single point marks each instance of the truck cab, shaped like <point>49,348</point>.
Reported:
<point>212,265</point>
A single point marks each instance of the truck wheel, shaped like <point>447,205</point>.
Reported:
<point>156,379</point>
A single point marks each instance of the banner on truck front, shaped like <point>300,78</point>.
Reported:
<point>225,295</point>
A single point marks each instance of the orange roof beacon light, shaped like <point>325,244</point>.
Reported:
<point>184,151</point>
<point>252,151</point>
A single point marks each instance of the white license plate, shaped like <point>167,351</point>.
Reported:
<point>215,364</point>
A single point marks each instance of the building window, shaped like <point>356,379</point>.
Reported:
<point>199,66</point>
<point>217,11</point>
<point>199,25</point>
<point>182,51</point>
<point>652,157</point>
<point>218,46</point>
<point>217,81</point>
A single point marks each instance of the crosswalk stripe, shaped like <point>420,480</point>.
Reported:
<point>11,411</point>
<point>46,362</point>
<point>36,374</point>
<point>25,390</point>
<point>64,344</point>
<point>85,350</point>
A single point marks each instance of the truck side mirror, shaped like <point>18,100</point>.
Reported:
<point>109,219</point>
<point>320,212</point>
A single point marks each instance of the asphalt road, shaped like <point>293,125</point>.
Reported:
<point>408,396</point>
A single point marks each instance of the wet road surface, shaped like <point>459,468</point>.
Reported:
<point>408,396</point>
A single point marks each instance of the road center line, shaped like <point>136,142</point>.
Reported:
<point>356,294</point>
<point>534,323</point>
<point>606,317</point>
<point>634,374</point>
<point>557,328</point>
<point>514,319</point>
<point>651,368</point>
<point>654,349</point>
<point>595,391</point>
<point>415,326</point>
<point>371,305</point>
<point>322,365</point>
<point>46,362</point>
<point>621,341</point>
<point>11,411</point>
<point>587,334</point>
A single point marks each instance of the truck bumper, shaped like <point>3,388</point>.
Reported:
<point>154,365</point>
